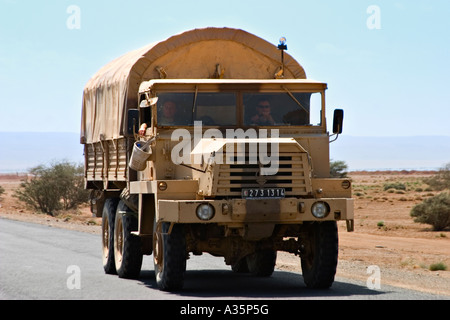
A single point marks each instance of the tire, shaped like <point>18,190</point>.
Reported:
<point>169,256</point>
<point>319,256</point>
<point>127,246</point>
<point>240,266</point>
<point>108,221</point>
<point>262,263</point>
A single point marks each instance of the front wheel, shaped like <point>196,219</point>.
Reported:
<point>319,254</point>
<point>169,256</point>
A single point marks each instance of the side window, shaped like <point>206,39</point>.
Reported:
<point>145,114</point>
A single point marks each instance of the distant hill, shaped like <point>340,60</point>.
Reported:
<point>392,153</point>
<point>22,151</point>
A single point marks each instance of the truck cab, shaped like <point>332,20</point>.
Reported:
<point>239,168</point>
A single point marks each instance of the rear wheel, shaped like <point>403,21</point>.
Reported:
<point>108,221</point>
<point>262,263</point>
<point>127,246</point>
<point>319,255</point>
<point>240,266</point>
<point>169,256</point>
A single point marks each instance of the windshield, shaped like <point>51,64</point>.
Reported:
<point>181,109</point>
<point>233,109</point>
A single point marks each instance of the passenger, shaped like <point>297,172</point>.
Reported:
<point>263,116</point>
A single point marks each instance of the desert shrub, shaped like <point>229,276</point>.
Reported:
<point>434,211</point>
<point>441,180</point>
<point>338,169</point>
<point>2,190</point>
<point>438,266</point>
<point>394,185</point>
<point>57,187</point>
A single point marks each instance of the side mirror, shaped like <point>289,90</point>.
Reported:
<point>132,122</point>
<point>338,121</point>
<point>148,103</point>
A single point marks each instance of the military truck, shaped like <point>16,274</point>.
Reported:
<point>212,141</point>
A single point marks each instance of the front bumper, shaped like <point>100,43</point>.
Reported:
<point>241,211</point>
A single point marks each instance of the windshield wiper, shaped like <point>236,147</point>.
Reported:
<point>195,104</point>
<point>295,99</point>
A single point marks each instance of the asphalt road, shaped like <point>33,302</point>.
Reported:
<point>38,262</point>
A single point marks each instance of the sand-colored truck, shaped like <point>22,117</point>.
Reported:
<point>213,141</point>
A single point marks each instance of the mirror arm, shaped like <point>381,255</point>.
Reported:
<point>337,136</point>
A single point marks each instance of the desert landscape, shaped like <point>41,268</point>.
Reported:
<point>385,234</point>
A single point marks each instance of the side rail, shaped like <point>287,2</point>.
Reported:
<point>106,164</point>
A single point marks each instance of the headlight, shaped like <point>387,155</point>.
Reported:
<point>320,209</point>
<point>205,212</point>
<point>346,184</point>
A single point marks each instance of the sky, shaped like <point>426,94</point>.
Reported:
<point>387,63</point>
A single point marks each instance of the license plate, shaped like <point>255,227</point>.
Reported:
<point>267,193</point>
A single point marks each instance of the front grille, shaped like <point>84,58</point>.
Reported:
<point>293,174</point>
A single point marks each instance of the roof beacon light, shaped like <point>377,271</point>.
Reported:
<point>282,45</point>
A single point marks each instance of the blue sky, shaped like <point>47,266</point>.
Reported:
<point>391,81</point>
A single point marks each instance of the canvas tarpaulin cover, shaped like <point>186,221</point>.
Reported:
<point>193,54</point>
